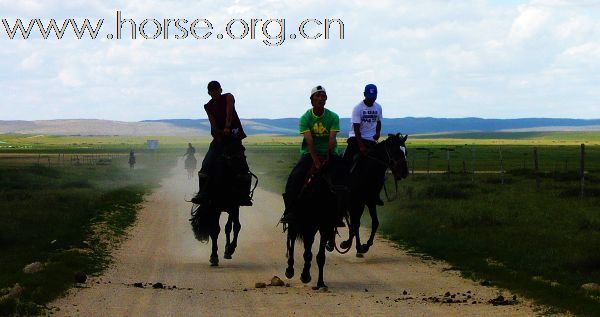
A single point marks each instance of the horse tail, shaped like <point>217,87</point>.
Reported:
<point>202,222</point>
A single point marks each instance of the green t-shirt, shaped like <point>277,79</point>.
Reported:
<point>319,127</point>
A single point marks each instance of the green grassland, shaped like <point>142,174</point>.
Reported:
<point>28,143</point>
<point>541,243</point>
<point>67,217</point>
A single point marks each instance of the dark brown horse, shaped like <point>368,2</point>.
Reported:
<point>365,177</point>
<point>318,210</point>
<point>225,193</point>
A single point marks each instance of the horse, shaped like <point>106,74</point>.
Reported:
<point>365,175</point>
<point>222,191</point>
<point>318,210</point>
<point>190,164</point>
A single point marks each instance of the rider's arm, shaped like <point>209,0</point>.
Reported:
<point>377,130</point>
<point>213,127</point>
<point>311,148</point>
<point>332,142</point>
<point>356,127</point>
<point>229,113</point>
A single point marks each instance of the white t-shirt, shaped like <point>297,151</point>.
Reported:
<point>367,117</point>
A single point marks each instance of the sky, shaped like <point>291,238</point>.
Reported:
<point>454,59</point>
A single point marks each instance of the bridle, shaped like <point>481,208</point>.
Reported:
<point>391,162</point>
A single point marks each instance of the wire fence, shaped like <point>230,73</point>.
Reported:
<point>60,159</point>
<point>583,161</point>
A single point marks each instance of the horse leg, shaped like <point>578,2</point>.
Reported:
<point>308,242</point>
<point>291,241</point>
<point>234,217</point>
<point>374,226</point>
<point>228,227</point>
<point>356,229</point>
<point>214,236</point>
<point>321,259</point>
<point>354,218</point>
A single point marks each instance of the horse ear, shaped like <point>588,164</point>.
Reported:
<point>404,138</point>
<point>398,134</point>
<point>390,135</point>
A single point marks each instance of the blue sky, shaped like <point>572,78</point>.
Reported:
<point>490,59</point>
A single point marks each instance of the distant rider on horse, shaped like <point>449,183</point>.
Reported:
<point>365,131</point>
<point>227,132</point>
<point>319,126</point>
<point>190,151</point>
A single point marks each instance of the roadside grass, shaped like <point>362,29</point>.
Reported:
<point>67,218</point>
<point>543,244</point>
<point>540,244</point>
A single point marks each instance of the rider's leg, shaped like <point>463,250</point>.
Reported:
<point>294,185</point>
<point>350,152</point>
<point>204,173</point>
<point>340,186</point>
<point>379,184</point>
<point>239,168</point>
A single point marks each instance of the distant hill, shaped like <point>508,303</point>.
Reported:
<point>411,125</point>
<point>289,126</point>
<point>97,127</point>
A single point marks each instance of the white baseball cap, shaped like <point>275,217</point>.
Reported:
<point>317,89</point>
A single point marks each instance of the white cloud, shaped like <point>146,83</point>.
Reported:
<point>528,23</point>
<point>429,58</point>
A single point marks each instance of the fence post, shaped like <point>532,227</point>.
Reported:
<point>501,168</point>
<point>536,168</point>
<point>582,168</point>
<point>413,165</point>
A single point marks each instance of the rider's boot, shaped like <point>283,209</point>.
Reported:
<point>288,213</point>
<point>202,195</point>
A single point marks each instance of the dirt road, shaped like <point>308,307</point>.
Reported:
<point>161,248</point>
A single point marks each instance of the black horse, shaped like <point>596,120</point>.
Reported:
<point>190,165</point>
<point>223,190</point>
<point>365,175</point>
<point>319,211</point>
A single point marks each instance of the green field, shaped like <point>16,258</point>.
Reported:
<point>540,243</point>
<point>68,218</point>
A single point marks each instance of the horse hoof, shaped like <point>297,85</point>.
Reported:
<point>305,278</point>
<point>229,250</point>
<point>360,255</point>
<point>289,273</point>
<point>345,244</point>
<point>214,261</point>
<point>365,248</point>
<point>359,248</point>
<point>322,287</point>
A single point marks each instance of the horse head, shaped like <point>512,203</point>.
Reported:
<point>395,147</point>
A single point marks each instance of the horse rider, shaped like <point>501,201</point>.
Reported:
<point>319,126</point>
<point>226,130</point>
<point>190,151</point>
<point>365,131</point>
<point>131,160</point>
